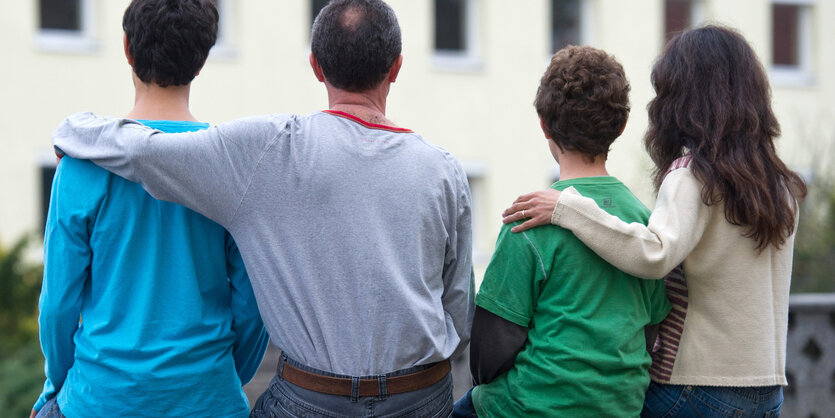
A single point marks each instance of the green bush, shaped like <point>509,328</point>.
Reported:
<point>21,361</point>
<point>814,247</point>
<point>21,380</point>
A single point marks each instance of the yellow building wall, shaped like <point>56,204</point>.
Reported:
<point>482,111</point>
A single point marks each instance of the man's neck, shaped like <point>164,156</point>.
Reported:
<point>573,166</point>
<point>369,105</point>
<point>153,102</point>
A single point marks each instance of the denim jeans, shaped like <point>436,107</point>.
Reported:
<point>710,401</point>
<point>50,409</point>
<point>284,399</point>
<point>464,407</point>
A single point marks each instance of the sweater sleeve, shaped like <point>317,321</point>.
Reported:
<point>208,171</point>
<point>675,227</point>
<point>251,338</point>
<point>458,277</point>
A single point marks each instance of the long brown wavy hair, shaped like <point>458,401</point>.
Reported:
<point>714,102</point>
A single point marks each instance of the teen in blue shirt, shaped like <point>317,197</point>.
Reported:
<point>146,308</point>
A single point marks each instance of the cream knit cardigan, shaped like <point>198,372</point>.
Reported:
<point>736,323</point>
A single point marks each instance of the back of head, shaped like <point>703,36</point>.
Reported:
<point>356,42</point>
<point>583,99</point>
<point>713,101</point>
<point>169,40</point>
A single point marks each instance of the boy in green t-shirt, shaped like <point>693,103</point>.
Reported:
<point>558,331</point>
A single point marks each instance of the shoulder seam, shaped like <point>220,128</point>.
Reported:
<point>264,151</point>
<point>536,251</point>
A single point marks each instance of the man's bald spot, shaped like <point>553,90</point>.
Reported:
<point>351,18</point>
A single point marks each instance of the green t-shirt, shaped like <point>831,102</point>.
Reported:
<point>586,352</point>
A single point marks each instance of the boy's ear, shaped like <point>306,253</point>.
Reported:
<point>544,129</point>
<point>126,45</point>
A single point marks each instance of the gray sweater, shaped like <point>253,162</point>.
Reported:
<point>357,238</point>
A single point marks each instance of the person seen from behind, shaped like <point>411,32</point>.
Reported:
<point>146,308</point>
<point>558,331</point>
<point>356,232</point>
<point>726,210</point>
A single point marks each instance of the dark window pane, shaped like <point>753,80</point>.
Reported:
<point>677,17</point>
<point>315,7</point>
<point>565,23</point>
<point>450,24</point>
<point>61,14</point>
<point>785,34</point>
<point>47,173</point>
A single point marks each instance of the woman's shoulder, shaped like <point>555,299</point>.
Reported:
<point>680,163</point>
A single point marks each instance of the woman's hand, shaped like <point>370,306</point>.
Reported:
<point>536,207</point>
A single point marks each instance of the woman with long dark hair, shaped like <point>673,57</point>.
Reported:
<point>726,212</point>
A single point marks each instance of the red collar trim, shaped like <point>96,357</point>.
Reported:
<point>367,124</point>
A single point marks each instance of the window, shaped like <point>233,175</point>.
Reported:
<point>64,26</point>
<point>680,15</point>
<point>476,175</point>
<point>315,7</point>
<point>571,23</point>
<point>46,170</point>
<point>223,48</point>
<point>791,41</point>
<point>455,34</point>
<point>60,15</point>
<point>565,23</point>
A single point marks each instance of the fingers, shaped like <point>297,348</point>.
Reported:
<point>526,197</point>
<point>525,201</point>
<point>510,212</point>
<point>530,223</point>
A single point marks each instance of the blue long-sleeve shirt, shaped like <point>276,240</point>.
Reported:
<point>146,308</point>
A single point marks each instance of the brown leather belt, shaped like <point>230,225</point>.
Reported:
<point>367,387</point>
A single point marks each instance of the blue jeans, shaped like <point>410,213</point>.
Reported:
<point>50,409</point>
<point>284,399</point>
<point>464,407</point>
<point>710,401</point>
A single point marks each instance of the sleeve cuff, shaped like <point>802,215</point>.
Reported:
<point>560,206</point>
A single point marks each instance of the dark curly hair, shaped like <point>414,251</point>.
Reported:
<point>355,42</point>
<point>169,40</point>
<point>713,101</point>
<point>583,99</point>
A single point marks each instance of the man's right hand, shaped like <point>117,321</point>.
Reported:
<point>33,414</point>
<point>536,207</point>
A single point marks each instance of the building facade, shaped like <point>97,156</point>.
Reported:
<point>471,69</point>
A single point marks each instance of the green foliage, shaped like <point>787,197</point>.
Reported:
<point>20,284</point>
<point>21,361</point>
<point>814,247</point>
<point>21,380</point>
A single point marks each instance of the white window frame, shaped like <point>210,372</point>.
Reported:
<point>469,59</point>
<point>223,48</point>
<point>476,172</point>
<point>801,74</point>
<point>70,41</point>
<point>698,13</point>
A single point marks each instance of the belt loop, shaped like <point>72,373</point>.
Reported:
<point>355,389</point>
<point>381,387</point>
<point>281,360</point>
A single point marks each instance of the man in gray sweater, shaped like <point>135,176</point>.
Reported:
<point>356,233</point>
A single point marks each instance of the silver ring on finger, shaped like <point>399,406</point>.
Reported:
<point>523,214</point>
